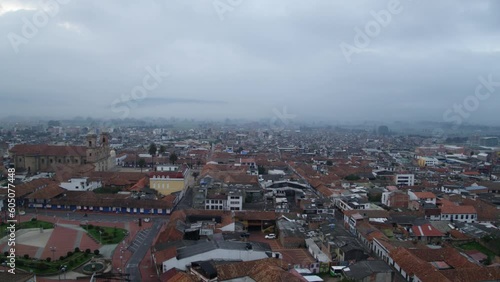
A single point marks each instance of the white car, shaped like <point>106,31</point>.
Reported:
<point>147,219</point>
<point>270,236</point>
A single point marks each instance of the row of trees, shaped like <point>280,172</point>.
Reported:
<point>153,149</point>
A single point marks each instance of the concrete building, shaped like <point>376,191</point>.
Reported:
<point>427,161</point>
<point>217,250</point>
<point>488,141</point>
<point>404,179</point>
<point>80,184</point>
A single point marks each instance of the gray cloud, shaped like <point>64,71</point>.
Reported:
<point>263,55</point>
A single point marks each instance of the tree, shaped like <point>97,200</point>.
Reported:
<point>261,169</point>
<point>352,177</point>
<point>152,151</point>
<point>141,163</point>
<point>96,252</point>
<point>162,149</point>
<point>53,123</point>
<point>173,158</point>
<point>329,163</point>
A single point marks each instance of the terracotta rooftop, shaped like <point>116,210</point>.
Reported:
<point>426,230</point>
<point>50,191</point>
<point>454,209</point>
<point>48,150</point>
<point>413,265</point>
<point>270,269</point>
<point>425,195</point>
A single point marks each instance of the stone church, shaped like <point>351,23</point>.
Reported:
<point>43,157</point>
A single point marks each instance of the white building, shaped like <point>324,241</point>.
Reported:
<point>426,161</point>
<point>233,201</point>
<point>404,179</point>
<point>218,250</point>
<point>167,168</point>
<point>458,213</point>
<point>80,184</point>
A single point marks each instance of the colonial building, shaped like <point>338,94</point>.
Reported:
<point>168,182</point>
<point>43,157</point>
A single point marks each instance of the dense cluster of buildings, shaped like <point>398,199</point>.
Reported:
<point>358,204</point>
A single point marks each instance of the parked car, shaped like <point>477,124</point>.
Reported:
<point>270,236</point>
<point>147,219</point>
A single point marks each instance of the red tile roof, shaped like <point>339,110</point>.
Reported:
<point>454,209</point>
<point>425,195</point>
<point>426,230</point>
<point>413,265</point>
<point>48,150</point>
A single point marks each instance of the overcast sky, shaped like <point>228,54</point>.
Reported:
<point>244,58</point>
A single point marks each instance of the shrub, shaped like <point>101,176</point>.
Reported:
<point>42,266</point>
<point>48,259</point>
<point>90,226</point>
<point>62,257</point>
<point>87,251</point>
<point>5,253</point>
<point>96,252</point>
<point>69,254</point>
<point>77,250</point>
<point>33,219</point>
<point>26,256</point>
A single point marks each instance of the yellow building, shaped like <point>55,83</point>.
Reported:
<point>425,161</point>
<point>168,182</point>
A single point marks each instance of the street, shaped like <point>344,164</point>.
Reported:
<point>132,266</point>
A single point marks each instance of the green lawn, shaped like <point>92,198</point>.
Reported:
<point>107,235</point>
<point>35,224</point>
<point>478,247</point>
<point>45,267</point>
<point>26,225</point>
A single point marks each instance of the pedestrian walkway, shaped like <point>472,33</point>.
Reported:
<point>71,226</point>
<point>78,240</point>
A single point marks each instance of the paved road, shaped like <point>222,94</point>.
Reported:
<point>187,201</point>
<point>146,240</point>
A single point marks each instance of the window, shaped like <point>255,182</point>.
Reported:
<point>51,161</point>
<point>59,161</point>
<point>462,216</point>
<point>43,161</point>
<point>466,216</point>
